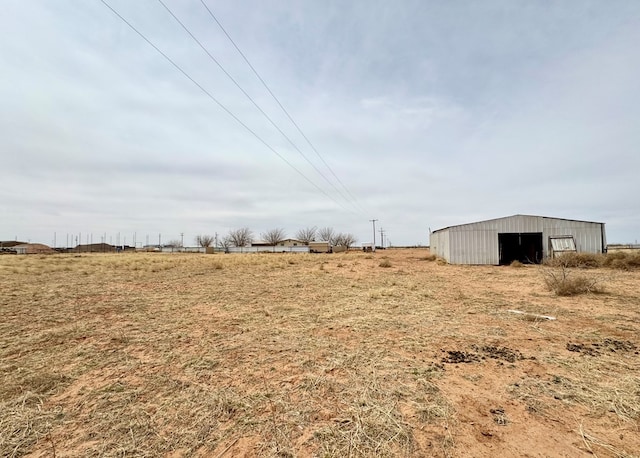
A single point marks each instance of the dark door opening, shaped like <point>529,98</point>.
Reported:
<point>525,247</point>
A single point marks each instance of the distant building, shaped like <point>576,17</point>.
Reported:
<point>10,243</point>
<point>292,242</point>
<point>95,248</point>
<point>524,238</point>
<point>33,248</point>
<point>285,242</point>
<point>319,247</point>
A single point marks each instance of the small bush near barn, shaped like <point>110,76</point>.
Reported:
<point>579,260</point>
<point>622,261</point>
<point>615,260</point>
<point>564,282</point>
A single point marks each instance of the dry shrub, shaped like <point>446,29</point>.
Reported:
<point>615,260</point>
<point>580,260</point>
<point>429,257</point>
<point>563,282</point>
<point>385,263</point>
<point>622,261</point>
<point>516,263</point>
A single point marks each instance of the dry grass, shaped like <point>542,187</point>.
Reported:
<point>305,355</point>
<point>580,260</point>
<point>615,260</point>
<point>622,261</point>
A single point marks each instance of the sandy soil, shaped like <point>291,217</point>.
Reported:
<point>312,355</point>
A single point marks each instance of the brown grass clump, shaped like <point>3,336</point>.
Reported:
<point>564,282</point>
<point>622,261</point>
<point>385,263</point>
<point>429,257</point>
<point>615,260</point>
<point>23,422</point>
<point>579,260</point>
<point>516,263</point>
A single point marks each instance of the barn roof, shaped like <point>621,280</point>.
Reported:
<point>514,216</point>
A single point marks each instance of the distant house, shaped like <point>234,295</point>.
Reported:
<point>285,242</point>
<point>6,247</point>
<point>33,248</point>
<point>292,242</point>
<point>95,248</point>
<point>10,243</point>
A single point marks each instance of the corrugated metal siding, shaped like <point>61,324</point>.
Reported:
<point>479,246</point>
<point>477,243</point>
<point>588,236</point>
<point>439,244</point>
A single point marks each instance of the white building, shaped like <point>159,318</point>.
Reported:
<point>524,238</point>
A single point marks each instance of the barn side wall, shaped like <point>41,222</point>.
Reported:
<point>439,244</point>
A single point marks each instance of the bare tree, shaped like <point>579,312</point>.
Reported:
<point>345,240</point>
<point>224,242</point>
<point>204,240</point>
<point>307,234</point>
<point>327,234</point>
<point>240,237</point>
<point>175,243</point>
<point>273,236</point>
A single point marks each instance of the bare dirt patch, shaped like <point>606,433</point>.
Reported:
<point>311,355</point>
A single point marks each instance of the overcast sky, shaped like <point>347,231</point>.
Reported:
<point>430,113</point>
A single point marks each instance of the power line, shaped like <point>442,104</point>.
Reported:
<point>255,104</point>
<point>213,16</point>
<point>229,112</point>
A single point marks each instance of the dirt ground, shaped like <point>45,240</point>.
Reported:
<point>312,355</point>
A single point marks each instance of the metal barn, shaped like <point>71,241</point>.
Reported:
<point>524,238</point>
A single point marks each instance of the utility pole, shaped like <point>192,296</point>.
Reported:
<point>181,239</point>
<point>374,233</point>
<point>382,238</point>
